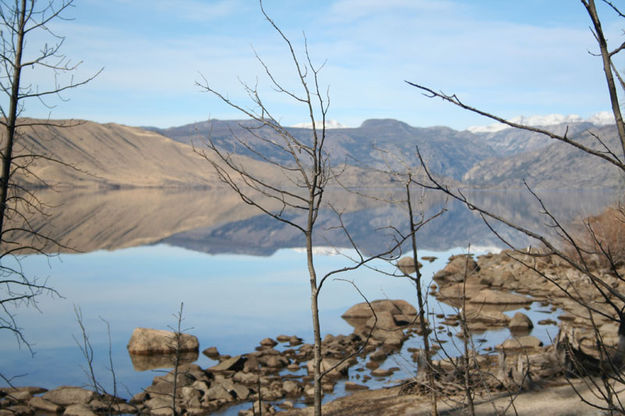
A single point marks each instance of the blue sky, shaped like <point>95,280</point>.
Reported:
<point>510,57</point>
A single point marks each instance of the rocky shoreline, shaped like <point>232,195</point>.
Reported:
<point>277,375</point>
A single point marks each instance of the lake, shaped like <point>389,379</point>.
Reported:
<point>240,276</point>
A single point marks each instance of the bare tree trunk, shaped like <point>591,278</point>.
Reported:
<point>421,304</point>
<point>606,57</point>
<point>7,156</point>
<point>314,308</point>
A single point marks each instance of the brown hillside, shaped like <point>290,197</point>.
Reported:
<point>112,155</point>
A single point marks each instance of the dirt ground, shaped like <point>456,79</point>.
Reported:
<point>559,398</point>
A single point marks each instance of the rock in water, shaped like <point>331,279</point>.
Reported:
<point>147,341</point>
<point>520,322</point>
<point>406,265</point>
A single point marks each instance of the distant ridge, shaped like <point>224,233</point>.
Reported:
<point>117,156</point>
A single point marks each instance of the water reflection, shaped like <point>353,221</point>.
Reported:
<point>215,221</point>
<point>156,361</point>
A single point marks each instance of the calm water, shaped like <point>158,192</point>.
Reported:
<point>231,301</point>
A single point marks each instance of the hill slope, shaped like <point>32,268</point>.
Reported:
<point>112,155</point>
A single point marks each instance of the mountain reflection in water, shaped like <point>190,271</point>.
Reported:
<point>215,221</point>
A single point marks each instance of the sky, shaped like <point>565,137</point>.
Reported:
<point>512,58</point>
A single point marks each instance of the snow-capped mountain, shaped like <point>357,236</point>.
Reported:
<point>600,119</point>
<point>330,124</point>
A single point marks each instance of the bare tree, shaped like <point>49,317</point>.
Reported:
<point>568,246</point>
<point>290,185</point>
<point>21,21</point>
<point>304,176</point>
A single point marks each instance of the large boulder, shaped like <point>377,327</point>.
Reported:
<point>68,395</point>
<point>387,323</point>
<point>360,313</point>
<point>457,269</point>
<point>146,341</point>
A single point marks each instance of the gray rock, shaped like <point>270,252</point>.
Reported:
<point>17,410</point>
<point>240,391</point>
<point>249,379</point>
<point>31,389</point>
<point>78,410</point>
<point>190,397</point>
<point>218,392</point>
<point>68,395</point>
<point>291,388</point>
<point>39,403</point>
<point>19,396</point>
<point>231,364</point>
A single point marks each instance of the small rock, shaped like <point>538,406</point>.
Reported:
<point>521,343</point>
<point>407,265</point>
<point>268,342</point>
<point>381,372</point>
<point>231,364</point>
<point>294,341</point>
<point>287,404</point>
<point>350,385</point>
<point>211,352</point>
<point>290,387</point>
<point>520,321</point>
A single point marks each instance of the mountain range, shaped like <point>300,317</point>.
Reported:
<point>117,156</point>
<point>132,186</point>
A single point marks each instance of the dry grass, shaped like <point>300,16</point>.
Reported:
<point>600,240</point>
